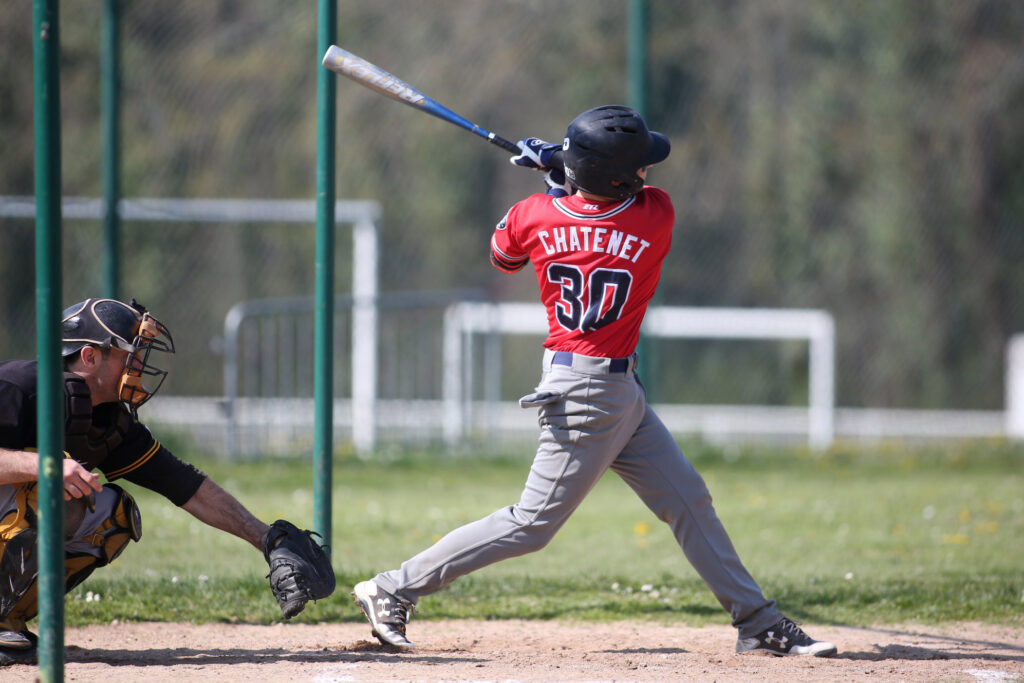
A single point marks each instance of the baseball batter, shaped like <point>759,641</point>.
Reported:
<point>597,241</point>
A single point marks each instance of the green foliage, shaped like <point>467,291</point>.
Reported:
<point>852,536</point>
<point>860,157</point>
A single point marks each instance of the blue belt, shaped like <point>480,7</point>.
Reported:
<point>614,365</point>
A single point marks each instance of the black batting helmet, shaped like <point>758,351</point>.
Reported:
<point>107,323</point>
<point>604,148</point>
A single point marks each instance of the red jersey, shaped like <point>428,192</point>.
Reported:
<point>597,263</point>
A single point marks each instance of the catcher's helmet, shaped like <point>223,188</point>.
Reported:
<point>107,322</point>
<point>604,148</point>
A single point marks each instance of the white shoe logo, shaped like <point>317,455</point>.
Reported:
<point>772,639</point>
<point>382,606</point>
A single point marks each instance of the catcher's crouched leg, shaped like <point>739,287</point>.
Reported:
<point>97,530</point>
<point>105,524</point>
<point>18,570</point>
<point>300,570</point>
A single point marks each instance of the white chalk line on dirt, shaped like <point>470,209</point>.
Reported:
<point>991,676</point>
<point>332,676</point>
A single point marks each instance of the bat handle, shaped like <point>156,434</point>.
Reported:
<point>503,143</point>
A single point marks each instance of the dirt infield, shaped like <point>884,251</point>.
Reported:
<point>526,651</point>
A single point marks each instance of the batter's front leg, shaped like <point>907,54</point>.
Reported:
<point>557,483</point>
<point>579,439</point>
<point>656,469</point>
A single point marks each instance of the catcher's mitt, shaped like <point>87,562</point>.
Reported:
<point>299,568</point>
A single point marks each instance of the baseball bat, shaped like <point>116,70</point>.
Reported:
<point>375,78</point>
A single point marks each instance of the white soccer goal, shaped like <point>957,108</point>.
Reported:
<point>1015,387</point>
<point>464,320</point>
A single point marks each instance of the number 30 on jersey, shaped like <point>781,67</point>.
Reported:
<point>594,306</point>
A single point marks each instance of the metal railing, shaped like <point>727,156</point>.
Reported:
<point>272,364</point>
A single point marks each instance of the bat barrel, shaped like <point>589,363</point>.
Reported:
<point>373,77</point>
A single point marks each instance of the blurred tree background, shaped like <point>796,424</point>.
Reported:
<point>864,157</point>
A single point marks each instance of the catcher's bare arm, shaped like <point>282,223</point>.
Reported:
<point>18,467</point>
<point>216,507</point>
<point>300,570</point>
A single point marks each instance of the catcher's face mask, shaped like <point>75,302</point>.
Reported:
<point>141,378</point>
<point>107,323</point>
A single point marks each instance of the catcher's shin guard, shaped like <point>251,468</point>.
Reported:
<point>18,564</point>
<point>18,561</point>
<point>77,568</point>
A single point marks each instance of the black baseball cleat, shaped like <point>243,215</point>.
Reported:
<point>386,613</point>
<point>785,638</point>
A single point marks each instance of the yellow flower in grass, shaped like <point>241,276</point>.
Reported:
<point>640,530</point>
<point>986,527</point>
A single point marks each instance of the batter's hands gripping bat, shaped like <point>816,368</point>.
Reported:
<point>375,78</point>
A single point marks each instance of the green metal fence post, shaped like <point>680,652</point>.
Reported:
<point>46,49</point>
<point>110,112</point>
<point>323,362</point>
<point>636,57</point>
<point>636,70</point>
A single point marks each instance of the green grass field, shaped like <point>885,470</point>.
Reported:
<point>856,536</point>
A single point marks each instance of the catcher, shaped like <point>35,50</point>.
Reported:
<point>109,348</point>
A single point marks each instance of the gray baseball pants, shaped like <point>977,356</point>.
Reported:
<point>592,419</point>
